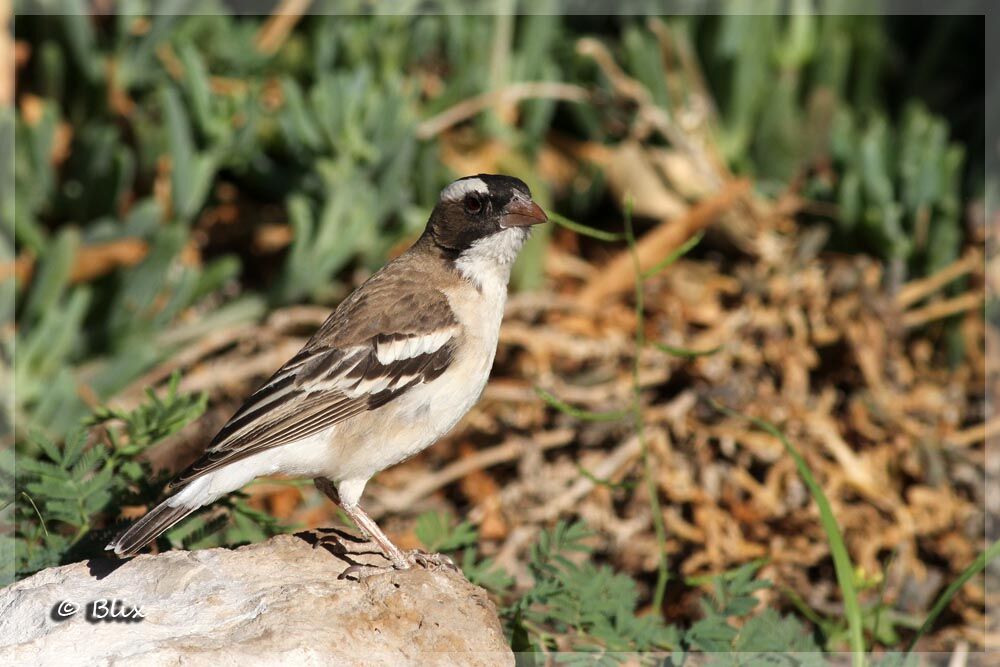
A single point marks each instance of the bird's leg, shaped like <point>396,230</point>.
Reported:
<point>373,532</point>
<point>342,542</point>
<point>366,524</point>
<point>400,560</point>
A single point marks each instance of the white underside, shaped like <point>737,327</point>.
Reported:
<point>357,448</point>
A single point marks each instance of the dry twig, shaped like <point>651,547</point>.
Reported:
<point>400,500</point>
<point>91,262</point>
<point>618,275</point>
<point>919,289</point>
<point>279,25</point>
<point>510,94</point>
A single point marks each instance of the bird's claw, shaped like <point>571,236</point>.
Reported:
<point>413,558</point>
<point>430,561</point>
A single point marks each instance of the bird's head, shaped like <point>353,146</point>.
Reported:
<point>484,217</point>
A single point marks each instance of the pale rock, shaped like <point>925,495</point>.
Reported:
<point>275,602</point>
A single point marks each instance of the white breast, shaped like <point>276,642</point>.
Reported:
<point>361,447</point>
<point>357,448</point>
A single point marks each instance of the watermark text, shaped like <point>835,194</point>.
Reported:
<point>103,610</point>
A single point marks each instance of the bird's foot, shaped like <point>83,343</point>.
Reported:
<point>419,558</point>
<point>411,559</point>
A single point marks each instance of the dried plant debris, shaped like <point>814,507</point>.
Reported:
<point>815,344</point>
<point>223,181</point>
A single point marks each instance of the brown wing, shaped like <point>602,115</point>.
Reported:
<point>387,337</point>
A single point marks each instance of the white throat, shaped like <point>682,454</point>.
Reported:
<point>487,262</point>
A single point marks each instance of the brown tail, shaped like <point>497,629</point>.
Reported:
<point>156,522</point>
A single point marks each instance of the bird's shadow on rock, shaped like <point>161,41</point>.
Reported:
<point>93,543</point>
<point>101,567</point>
<point>339,543</point>
<point>342,545</point>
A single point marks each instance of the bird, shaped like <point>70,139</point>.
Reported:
<point>392,369</point>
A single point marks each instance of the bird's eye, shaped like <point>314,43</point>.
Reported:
<point>473,204</point>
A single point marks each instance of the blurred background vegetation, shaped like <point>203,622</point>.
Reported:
<point>132,131</point>
<point>179,174</point>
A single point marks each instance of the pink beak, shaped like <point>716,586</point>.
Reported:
<point>522,213</point>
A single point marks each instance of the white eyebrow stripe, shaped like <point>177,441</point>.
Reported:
<point>460,188</point>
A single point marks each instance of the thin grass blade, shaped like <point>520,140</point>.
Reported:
<point>842,564</point>
<point>673,257</point>
<point>585,415</point>
<point>598,234</point>
<point>942,602</point>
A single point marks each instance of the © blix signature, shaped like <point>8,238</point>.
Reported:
<point>97,611</point>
